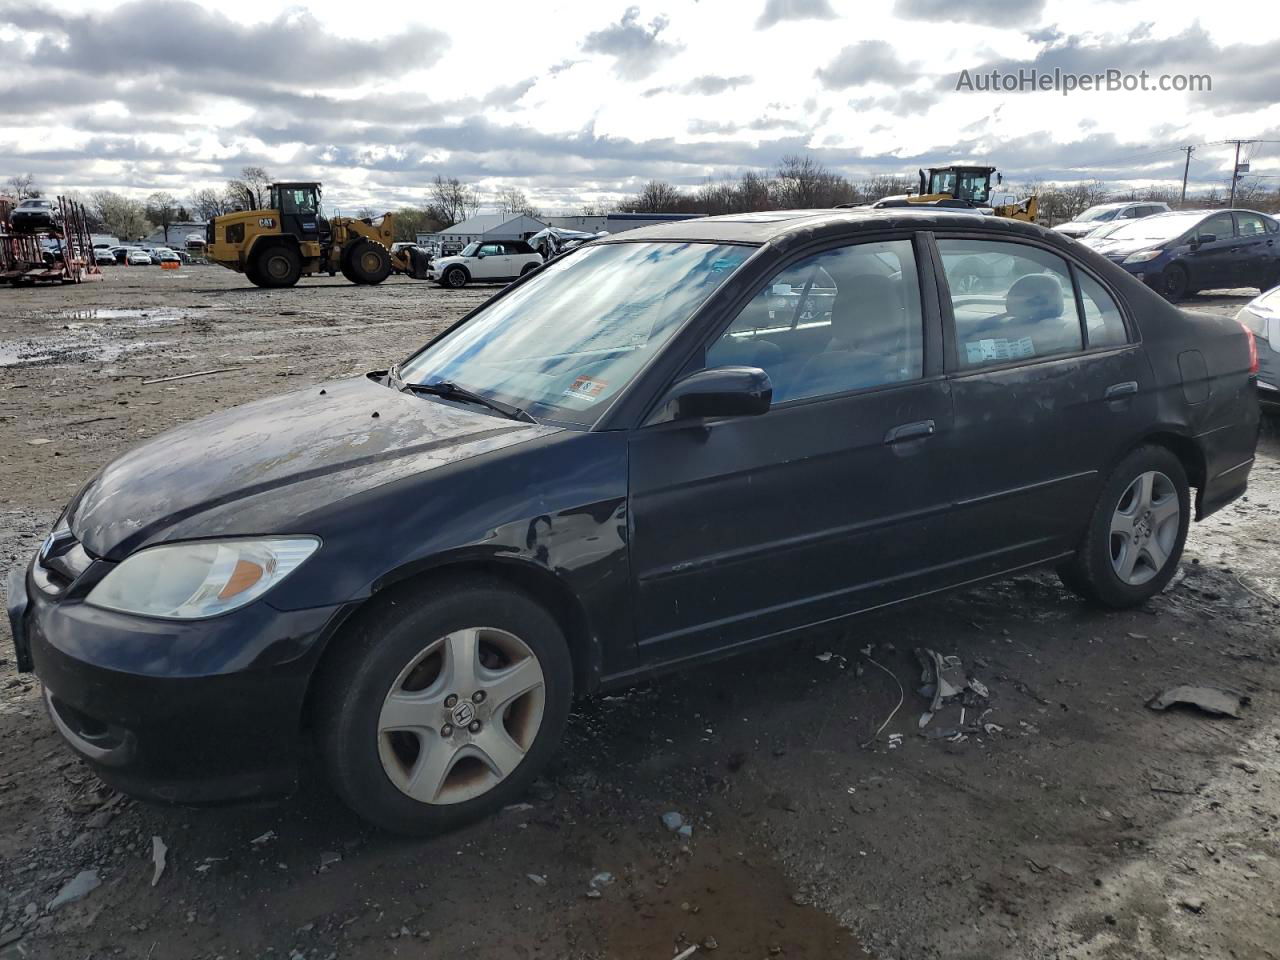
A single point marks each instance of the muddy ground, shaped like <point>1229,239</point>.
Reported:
<point>1081,824</point>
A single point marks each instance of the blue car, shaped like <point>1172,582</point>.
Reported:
<point>1262,316</point>
<point>1181,253</point>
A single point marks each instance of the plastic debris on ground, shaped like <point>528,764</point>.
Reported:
<point>948,687</point>
<point>1215,701</point>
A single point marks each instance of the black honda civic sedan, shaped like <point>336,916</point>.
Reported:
<point>669,445</point>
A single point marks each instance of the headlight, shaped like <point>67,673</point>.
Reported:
<point>1142,256</point>
<point>189,581</point>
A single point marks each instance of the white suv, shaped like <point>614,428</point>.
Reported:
<point>1096,216</point>
<point>485,261</point>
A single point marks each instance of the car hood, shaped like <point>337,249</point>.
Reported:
<point>440,263</point>
<point>258,468</point>
<point>1077,226</point>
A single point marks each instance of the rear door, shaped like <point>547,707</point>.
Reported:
<point>830,502</point>
<point>1044,400</point>
<point>1256,251</point>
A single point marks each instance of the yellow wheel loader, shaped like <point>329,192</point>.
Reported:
<point>967,187</point>
<point>292,239</point>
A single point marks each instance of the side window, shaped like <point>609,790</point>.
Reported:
<point>1103,323</point>
<point>1011,302</point>
<point>1250,225</point>
<point>1218,226</point>
<point>841,320</point>
<point>1130,213</point>
<point>491,249</point>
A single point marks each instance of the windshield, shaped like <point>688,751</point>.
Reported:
<point>570,338</point>
<point>1157,228</point>
<point>1099,214</point>
<point>470,249</point>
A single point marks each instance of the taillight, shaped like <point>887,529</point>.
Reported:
<point>1253,347</point>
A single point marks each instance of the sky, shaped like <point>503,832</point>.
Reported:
<point>583,101</point>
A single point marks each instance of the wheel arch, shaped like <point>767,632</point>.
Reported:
<point>536,582</point>
<point>1188,452</point>
<point>458,266</point>
<point>266,241</point>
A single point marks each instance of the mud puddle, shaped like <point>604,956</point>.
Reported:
<point>75,346</point>
<point>137,317</point>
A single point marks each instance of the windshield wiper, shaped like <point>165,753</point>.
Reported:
<point>451,391</point>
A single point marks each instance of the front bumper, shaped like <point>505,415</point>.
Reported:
<point>201,711</point>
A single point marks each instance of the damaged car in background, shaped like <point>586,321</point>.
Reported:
<point>685,440</point>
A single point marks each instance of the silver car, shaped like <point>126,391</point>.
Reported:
<point>1262,316</point>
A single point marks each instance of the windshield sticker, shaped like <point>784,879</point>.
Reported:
<point>998,348</point>
<point>586,388</point>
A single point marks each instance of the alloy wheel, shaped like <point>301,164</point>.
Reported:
<point>1144,528</point>
<point>461,715</point>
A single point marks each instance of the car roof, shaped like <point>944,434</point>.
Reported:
<point>767,226</point>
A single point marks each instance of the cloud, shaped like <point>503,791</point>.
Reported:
<point>124,41</point>
<point>906,101</point>
<point>868,61</point>
<point>706,85</point>
<point>1244,76</point>
<point>985,12</point>
<point>775,11</point>
<point>636,50</point>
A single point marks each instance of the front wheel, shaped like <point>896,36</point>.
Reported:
<point>455,277</point>
<point>368,262</point>
<point>1136,534</point>
<point>442,708</point>
<point>1176,283</point>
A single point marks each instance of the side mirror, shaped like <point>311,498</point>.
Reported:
<point>480,255</point>
<point>719,392</point>
<point>1205,238</point>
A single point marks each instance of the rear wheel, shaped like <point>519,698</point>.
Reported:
<point>1136,534</point>
<point>368,261</point>
<point>442,708</point>
<point>1176,284</point>
<point>276,266</point>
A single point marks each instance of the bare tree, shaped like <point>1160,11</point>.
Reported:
<point>207,204</point>
<point>657,196</point>
<point>123,217</point>
<point>162,210</point>
<point>23,185</point>
<point>453,200</point>
<point>411,221</point>
<point>513,202</point>
<point>251,190</point>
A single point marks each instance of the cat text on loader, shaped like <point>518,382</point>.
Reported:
<point>291,239</point>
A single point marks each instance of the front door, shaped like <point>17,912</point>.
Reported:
<point>490,262</point>
<point>1211,262</point>
<point>747,527</point>
<point>299,212</point>
<point>1044,403</point>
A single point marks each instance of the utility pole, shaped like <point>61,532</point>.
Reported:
<point>1235,170</point>
<point>1186,168</point>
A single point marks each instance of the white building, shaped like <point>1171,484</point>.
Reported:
<point>616,222</point>
<point>487,226</point>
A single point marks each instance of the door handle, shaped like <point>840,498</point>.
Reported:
<point>1118,390</point>
<point>910,431</point>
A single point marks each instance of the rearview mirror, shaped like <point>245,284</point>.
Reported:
<point>718,392</point>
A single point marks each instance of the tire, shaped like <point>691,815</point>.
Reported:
<point>415,647</point>
<point>455,278</point>
<point>344,264</point>
<point>1134,540</point>
<point>368,261</point>
<point>1175,285</point>
<point>276,266</point>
